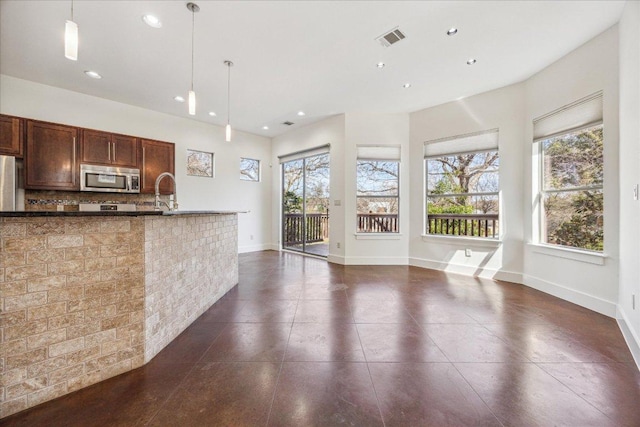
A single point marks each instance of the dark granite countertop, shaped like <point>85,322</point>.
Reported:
<point>110,213</point>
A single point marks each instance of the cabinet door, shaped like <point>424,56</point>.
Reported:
<point>124,151</point>
<point>51,157</point>
<point>11,136</point>
<point>156,157</point>
<point>96,147</point>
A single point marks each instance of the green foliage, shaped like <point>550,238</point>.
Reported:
<point>448,208</point>
<point>584,228</point>
<point>291,202</point>
<point>575,219</point>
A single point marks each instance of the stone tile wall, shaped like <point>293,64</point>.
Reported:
<point>39,200</point>
<point>190,262</point>
<point>72,300</point>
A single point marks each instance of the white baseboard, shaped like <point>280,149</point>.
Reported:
<point>591,302</point>
<point>467,270</point>
<point>375,260</point>
<point>630,336</point>
<point>336,259</point>
<point>254,248</point>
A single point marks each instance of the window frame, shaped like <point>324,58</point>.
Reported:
<point>542,227</point>
<point>427,196</point>
<point>259,170</point>
<point>397,197</point>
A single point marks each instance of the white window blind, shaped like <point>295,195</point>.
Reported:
<point>378,152</point>
<point>323,149</point>
<point>580,114</point>
<point>471,142</point>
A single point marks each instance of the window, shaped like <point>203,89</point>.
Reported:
<point>462,188</point>
<point>571,175</point>
<point>249,169</point>
<point>378,189</point>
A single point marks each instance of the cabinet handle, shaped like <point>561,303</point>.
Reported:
<point>73,174</point>
<point>144,168</point>
<point>114,151</point>
<point>109,148</point>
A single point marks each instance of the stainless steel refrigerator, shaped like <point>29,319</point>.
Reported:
<point>11,188</point>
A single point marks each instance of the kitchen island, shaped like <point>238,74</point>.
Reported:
<point>89,295</point>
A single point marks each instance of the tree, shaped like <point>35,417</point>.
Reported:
<point>574,161</point>
<point>459,175</point>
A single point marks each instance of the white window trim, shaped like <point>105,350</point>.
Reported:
<point>568,252</point>
<point>480,242</point>
<point>378,236</point>
<point>425,214</point>
<point>259,170</point>
<point>589,257</point>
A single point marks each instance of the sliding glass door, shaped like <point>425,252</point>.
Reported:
<point>305,204</point>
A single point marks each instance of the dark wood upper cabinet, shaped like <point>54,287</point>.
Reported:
<point>156,157</point>
<point>125,150</point>
<point>11,136</point>
<point>103,148</point>
<point>50,157</point>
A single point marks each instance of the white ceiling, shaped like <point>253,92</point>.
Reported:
<point>316,56</point>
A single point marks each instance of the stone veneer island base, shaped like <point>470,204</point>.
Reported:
<point>87,297</point>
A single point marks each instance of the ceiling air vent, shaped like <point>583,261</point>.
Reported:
<point>391,37</point>
<point>287,123</point>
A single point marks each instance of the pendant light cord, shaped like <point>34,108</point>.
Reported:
<point>72,10</point>
<point>229,92</point>
<point>193,25</point>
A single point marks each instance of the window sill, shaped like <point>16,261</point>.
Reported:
<point>568,253</point>
<point>378,236</point>
<point>462,241</point>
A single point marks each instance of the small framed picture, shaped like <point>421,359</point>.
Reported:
<point>199,163</point>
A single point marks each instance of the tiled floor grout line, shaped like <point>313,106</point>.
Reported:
<point>284,355</point>
<point>570,388</point>
<point>364,354</point>
<point>478,394</point>
<point>177,387</point>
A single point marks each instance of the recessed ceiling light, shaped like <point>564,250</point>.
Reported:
<point>265,127</point>
<point>178,98</point>
<point>212,113</point>
<point>452,31</point>
<point>406,85</point>
<point>471,61</point>
<point>301,113</point>
<point>93,74</point>
<point>152,21</point>
<point>380,65</point>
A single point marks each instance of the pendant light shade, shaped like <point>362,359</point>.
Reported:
<point>71,38</point>
<point>192,102</point>
<point>192,95</point>
<point>229,64</point>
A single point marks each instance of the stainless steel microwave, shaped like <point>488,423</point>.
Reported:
<point>107,179</point>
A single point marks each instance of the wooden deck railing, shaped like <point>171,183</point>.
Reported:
<point>473,225</point>
<point>317,228</point>
<point>377,223</point>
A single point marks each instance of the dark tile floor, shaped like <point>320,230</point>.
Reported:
<point>300,342</point>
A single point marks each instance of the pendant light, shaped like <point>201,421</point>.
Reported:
<point>71,38</point>
<point>192,95</point>
<point>229,64</point>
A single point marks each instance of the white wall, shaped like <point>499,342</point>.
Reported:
<point>503,109</point>
<point>588,69</point>
<point>629,29</point>
<point>329,131</point>
<point>224,192</point>
<point>376,129</point>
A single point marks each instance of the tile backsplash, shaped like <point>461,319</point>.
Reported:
<point>69,200</point>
